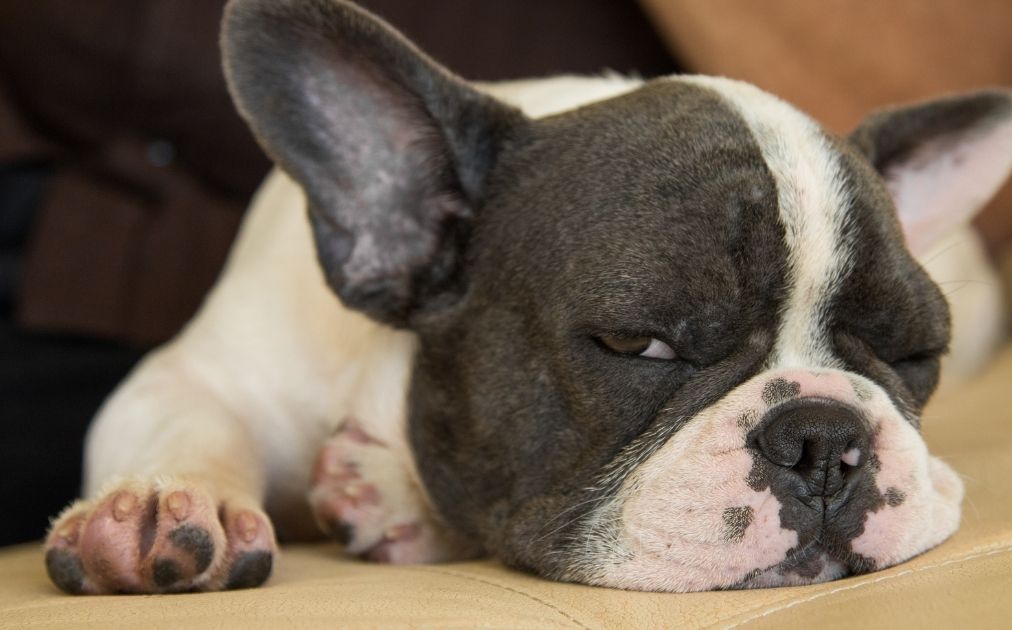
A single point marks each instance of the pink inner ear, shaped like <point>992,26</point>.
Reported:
<point>946,181</point>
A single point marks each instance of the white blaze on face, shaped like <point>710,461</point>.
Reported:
<point>813,207</point>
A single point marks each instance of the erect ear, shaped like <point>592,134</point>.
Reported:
<point>391,149</point>
<point>941,160</point>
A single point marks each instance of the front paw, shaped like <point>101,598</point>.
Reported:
<point>159,536</point>
<point>363,497</point>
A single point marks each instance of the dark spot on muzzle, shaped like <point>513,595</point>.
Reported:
<point>748,419</point>
<point>736,521</point>
<point>874,463</point>
<point>894,497</point>
<point>779,390</point>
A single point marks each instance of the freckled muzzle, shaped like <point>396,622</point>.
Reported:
<point>795,477</point>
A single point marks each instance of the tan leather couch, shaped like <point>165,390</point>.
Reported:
<point>967,582</point>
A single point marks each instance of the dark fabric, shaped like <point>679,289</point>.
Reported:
<point>124,172</point>
<point>496,39</point>
<point>49,388</point>
<point>152,166</point>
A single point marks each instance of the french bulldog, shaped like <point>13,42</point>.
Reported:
<point>665,335</point>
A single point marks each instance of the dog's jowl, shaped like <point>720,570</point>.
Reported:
<point>666,335</point>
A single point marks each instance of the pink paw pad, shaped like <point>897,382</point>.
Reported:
<point>145,537</point>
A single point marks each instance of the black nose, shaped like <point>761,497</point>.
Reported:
<point>820,441</point>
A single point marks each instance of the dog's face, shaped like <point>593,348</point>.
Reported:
<point>670,341</point>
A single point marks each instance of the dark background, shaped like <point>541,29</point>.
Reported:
<point>124,173</point>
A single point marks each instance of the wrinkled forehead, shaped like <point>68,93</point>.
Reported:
<point>621,193</point>
<point>694,189</point>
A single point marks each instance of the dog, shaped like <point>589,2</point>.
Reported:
<point>663,335</point>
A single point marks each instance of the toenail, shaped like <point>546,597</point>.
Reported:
<point>122,506</point>
<point>352,490</point>
<point>179,504</point>
<point>246,523</point>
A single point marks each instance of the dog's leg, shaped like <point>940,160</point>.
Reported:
<point>174,485</point>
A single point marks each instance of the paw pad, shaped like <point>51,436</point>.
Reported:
<point>147,537</point>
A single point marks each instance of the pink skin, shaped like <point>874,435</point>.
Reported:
<point>690,521</point>
<point>362,496</point>
<point>919,490</point>
<point>122,539</point>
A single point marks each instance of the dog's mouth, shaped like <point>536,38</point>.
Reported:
<point>709,510</point>
<point>823,552</point>
<point>809,564</point>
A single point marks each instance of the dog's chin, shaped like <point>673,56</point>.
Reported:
<point>812,565</point>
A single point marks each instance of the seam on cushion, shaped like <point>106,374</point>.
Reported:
<point>977,553</point>
<point>503,587</point>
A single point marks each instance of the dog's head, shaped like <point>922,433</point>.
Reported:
<point>674,340</point>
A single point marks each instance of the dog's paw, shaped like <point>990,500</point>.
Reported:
<point>159,536</point>
<point>363,497</point>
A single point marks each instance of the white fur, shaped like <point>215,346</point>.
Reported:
<point>971,285</point>
<point>813,210</point>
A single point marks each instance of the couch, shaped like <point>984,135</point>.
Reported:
<point>967,581</point>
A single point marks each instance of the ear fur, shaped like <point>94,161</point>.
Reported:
<point>942,160</point>
<point>391,149</point>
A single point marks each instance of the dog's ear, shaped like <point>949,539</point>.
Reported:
<point>942,160</point>
<point>391,149</point>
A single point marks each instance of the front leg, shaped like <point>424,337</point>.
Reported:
<point>174,482</point>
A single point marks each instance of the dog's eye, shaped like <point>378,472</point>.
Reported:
<point>648,347</point>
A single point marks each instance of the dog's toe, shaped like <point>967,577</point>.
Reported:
<point>65,570</point>
<point>249,570</point>
<point>159,537</point>
<point>364,497</point>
